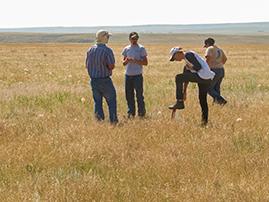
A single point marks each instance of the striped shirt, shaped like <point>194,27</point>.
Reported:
<point>98,58</point>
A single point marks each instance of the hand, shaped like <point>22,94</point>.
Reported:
<point>188,67</point>
<point>131,60</point>
<point>127,60</point>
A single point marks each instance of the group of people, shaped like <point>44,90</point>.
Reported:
<point>100,62</point>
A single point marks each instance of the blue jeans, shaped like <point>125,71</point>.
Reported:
<point>214,89</point>
<point>103,87</point>
<point>134,84</point>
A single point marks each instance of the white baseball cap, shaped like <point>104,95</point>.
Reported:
<point>173,51</point>
<point>101,33</point>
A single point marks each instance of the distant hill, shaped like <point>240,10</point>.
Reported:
<point>258,28</point>
<point>148,38</point>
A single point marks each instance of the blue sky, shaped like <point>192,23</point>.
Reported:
<point>36,13</point>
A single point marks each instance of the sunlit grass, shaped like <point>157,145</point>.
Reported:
<point>53,150</point>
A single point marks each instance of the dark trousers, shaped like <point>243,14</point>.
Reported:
<point>214,89</point>
<point>103,87</point>
<point>134,85</point>
<point>203,86</point>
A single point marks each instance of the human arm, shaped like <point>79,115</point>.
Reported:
<point>144,61</point>
<point>110,60</point>
<point>111,66</point>
<point>192,62</point>
<point>224,58</point>
<point>143,57</point>
<point>209,55</point>
<point>208,59</point>
<point>87,60</point>
<point>125,60</point>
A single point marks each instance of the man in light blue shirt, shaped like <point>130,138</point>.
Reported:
<point>134,57</point>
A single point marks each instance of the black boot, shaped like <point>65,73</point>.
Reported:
<point>178,105</point>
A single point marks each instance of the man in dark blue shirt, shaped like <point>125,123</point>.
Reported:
<point>100,62</point>
<point>196,70</point>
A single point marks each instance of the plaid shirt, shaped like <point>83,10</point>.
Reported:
<point>98,58</point>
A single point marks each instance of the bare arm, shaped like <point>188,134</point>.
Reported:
<point>208,55</point>
<point>111,66</point>
<point>208,59</point>
<point>144,61</point>
<point>125,60</point>
<point>224,58</point>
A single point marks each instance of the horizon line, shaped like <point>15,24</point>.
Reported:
<point>137,25</point>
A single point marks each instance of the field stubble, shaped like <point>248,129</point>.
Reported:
<point>52,149</point>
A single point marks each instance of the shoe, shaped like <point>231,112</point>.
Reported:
<point>130,116</point>
<point>220,102</point>
<point>223,102</point>
<point>178,105</point>
<point>204,123</point>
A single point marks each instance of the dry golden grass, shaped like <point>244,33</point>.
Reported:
<point>53,150</point>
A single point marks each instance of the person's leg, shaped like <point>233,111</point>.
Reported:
<point>111,99</point>
<point>222,100</point>
<point>187,76</point>
<point>203,89</point>
<point>138,86</point>
<point>98,99</point>
<point>213,89</point>
<point>180,78</point>
<point>217,86</point>
<point>129,94</point>
<point>179,94</point>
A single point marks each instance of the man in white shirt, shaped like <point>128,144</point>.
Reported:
<point>196,70</point>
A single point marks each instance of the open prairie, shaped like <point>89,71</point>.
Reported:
<point>51,149</point>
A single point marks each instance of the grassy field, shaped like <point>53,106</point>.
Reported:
<point>53,150</point>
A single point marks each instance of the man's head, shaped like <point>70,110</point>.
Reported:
<point>102,36</point>
<point>133,37</point>
<point>176,54</point>
<point>209,42</point>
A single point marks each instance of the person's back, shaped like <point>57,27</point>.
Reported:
<point>98,58</point>
<point>217,57</point>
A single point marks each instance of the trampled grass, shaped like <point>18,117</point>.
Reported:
<point>53,150</point>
